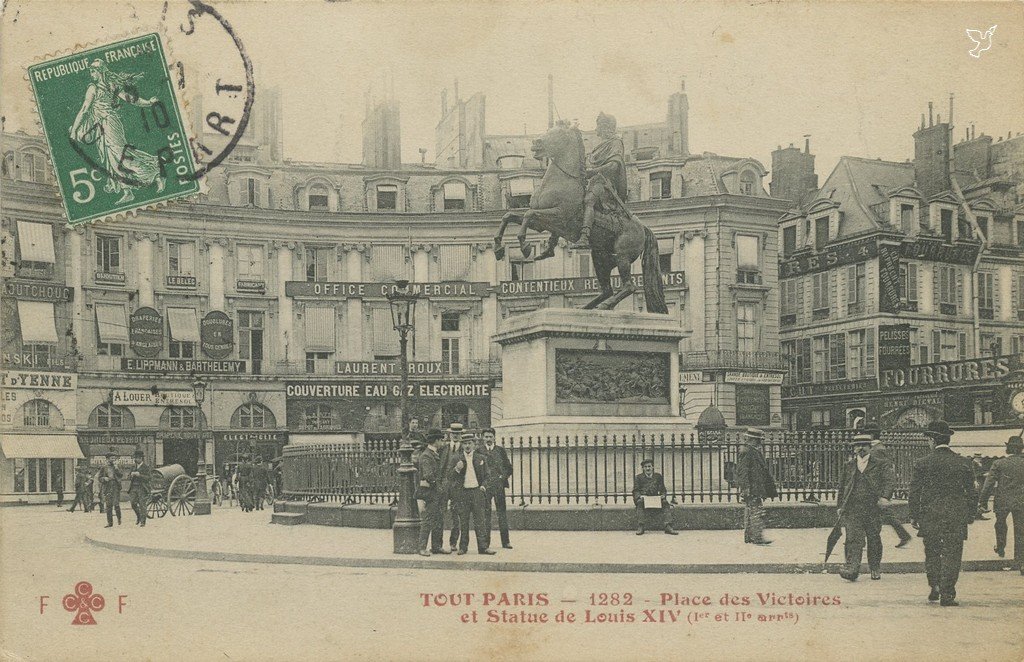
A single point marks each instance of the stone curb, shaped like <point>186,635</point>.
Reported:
<point>415,562</point>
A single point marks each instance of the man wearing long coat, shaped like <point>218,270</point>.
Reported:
<point>756,484</point>
<point>865,488</point>
<point>138,487</point>
<point>429,472</point>
<point>943,501</point>
<point>1006,480</point>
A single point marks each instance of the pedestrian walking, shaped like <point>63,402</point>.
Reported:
<point>649,483</point>
<point>943,501</point>
<point>138,487</point>
<point>449,452</point>
<point>499,469</point>
<point>865,490</point>
<point>1006,480</point>
<point>81,479</point>
<point>245,486</point>
<point>469,482</point>
<point>110,485</point>
<point>756,484</point>
<point>260,480</point>
<point>58,487</point>
<point>428,494</point>
<point>881,452</point>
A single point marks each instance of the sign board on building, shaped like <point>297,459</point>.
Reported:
<point>691,377</point>
<point>336,290</point>
<point>146,331</point>
<point>26,290</point>
<point>893,347</point>
<point>383,390</point>
<point>947,373</point>
<point>46,381</point>
<point>511,288</point>
<point>770,378</point>
<point>250,286</point>
<point>198,366</point>
<point>251,436</point>
<point>833,256</point>
<point>141,398</point>
<point>181,281</point>
<point>216,334</point>
<point>936,250</point>
<point>830,388</point>
<point>388,368</point>
<point>888,279</point>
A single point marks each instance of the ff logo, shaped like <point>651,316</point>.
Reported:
<point>83,602</point>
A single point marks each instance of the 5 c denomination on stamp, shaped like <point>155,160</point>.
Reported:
<point>114,128</point>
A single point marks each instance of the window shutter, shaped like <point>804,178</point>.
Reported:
<point>851,284</point>
<point>870,343</point>
<point>936,288</point>
<point>959,292</point>
<point>801,301</point>
<point>963,345</point>
<point>936,344</point>
<point>911,282</point>
<point>995,293</point>
<point>243,191</point>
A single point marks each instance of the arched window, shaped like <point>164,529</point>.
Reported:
<point>111,417</point>
<point>181,418</point>
<point>387,197</point>
<point>37,414</point>
<point>318,198</point>
<point>253,415</point>
<point>7,167</point>
<point>316,417</point>
<point>747,183</point>
<point>454,196</point>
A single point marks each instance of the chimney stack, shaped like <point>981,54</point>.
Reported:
<point>551,101</point>
<point>793,172</point>
<point>930,116</point>
<point>807,143</point>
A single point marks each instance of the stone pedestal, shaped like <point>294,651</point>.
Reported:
<point>567,371</point>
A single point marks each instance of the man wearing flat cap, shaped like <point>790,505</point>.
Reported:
<point>943,501</point>
<point>1006,480</point>
<point>756,484</point>
<point>865,488</point>
<point>429,476</point>
<point>652,485</point>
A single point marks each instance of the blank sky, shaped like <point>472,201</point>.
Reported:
<point>856,76</point>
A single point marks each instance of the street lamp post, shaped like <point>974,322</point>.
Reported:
<point>406,528</point>
<point>203,506</point>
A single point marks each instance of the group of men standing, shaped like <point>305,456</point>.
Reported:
<point>109,478</point>
<point>467,475</point>
<point>251,479</point>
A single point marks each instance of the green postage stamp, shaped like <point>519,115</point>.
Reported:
<point>114,128</point>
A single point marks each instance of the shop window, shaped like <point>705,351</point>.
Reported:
<point>856,288</point>
<point>33,475</point>
<point>387,197</point>
<point>37,414</point>
<point>661,185</point>
<point>108,254</point>
<point>318,363</point>
<point>318,198</point>
<point>181,418</point>
<point>454,196</point>
<point>821,418</point>
<point>316,417</point>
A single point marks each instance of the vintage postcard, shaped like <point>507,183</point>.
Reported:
<point>459,330</point>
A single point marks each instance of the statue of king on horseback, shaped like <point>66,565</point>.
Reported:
<point>582,199</point>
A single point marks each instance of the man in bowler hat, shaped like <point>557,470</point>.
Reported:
<point>865,489</point>
<point>110,484</point>
<point>499,469</point>
<point>943,501</point>
<point>756,484</point>
<point>430,475</point>
<point>880,452</point>
<point>649,483</point>
<point>138,487</point>
<point>1006,480</point>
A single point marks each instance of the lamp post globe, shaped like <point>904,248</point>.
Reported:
<point>405,530</point>
<point>203,505</point>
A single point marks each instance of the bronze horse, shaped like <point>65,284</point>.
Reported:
<point>556,206</point>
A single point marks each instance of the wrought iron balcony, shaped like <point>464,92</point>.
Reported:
<point>731,358</point>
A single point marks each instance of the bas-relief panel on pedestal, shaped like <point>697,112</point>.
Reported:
<point>591,376</point>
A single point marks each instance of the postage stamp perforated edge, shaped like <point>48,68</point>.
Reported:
<point>181,99</point>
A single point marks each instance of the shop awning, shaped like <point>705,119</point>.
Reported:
<point>57,446</point>
<point>184,324</point>
<point>36,242</point>
<point>112,323</point>
<point>320,328</point>
<point>990,442</point>
<point>37,322</point>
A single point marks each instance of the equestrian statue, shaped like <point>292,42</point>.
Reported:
<point>582,198</point>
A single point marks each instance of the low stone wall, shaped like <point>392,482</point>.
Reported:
<point>582,517</point>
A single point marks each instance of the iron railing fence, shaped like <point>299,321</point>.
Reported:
<point>585,469</point>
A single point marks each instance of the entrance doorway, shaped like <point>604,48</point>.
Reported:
<point>184,452</point>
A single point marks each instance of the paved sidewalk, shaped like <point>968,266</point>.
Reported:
<point>231,535</point>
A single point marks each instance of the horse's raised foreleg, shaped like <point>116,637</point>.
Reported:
<point>603,271</point>
<point>541,220</point>
<point>622,264</point>
<point>510,217</point>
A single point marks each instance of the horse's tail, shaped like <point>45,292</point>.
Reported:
<point>654,290</point>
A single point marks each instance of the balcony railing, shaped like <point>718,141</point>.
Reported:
<point>730,358</point>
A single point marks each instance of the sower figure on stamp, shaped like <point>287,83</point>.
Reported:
<point>606,177</point>
<point>138,487</point>
<point>469,484</point>
<point>651,484</point>
<point>110,481</point>
<point>1006,480</point>
<point>756,484</point>
<point>865,489</point>
<point>943,501</point>
<point>430,475</point>
<point>499,469</point>
<point>880,452</point>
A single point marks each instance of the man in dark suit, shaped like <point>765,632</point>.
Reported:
<point>865,489</point>
<point>110,484</point>
<point>943,501</point>
<point>469,492</point>
<point>881,452</point>
<point>756,484</point>
<point>138,487</point>
<point>499,468</point>
<point>651,484</point>
<point>430,475</point>
<point>260,480</point>
<point>1006,479</point>
<point>81,478</point>
<point>448,452</point>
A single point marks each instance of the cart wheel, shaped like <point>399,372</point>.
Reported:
<point>271,494</point>
<point>216,494</point>
<point>157,507</point>
<point>182,496</point>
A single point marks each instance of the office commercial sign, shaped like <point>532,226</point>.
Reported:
<point>340,290</point>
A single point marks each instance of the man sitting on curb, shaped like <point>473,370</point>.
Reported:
<point>651,484</point>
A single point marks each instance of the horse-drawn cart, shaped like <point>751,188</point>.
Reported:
<point>171,490</point>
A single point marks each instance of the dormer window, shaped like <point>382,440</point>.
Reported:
<point>318,198</point>
<point>907,218</point>
<point>747,183</point>
<point>983,226</point>
<point>511,162</point>
<point>821,235</point>
<point>661,185</point>
<point>387,197</point>
<point>946,224</point>
<point>520,190</point>
<point>788,240</point>
<point>454,196</point>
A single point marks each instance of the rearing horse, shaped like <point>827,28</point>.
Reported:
<point>556,206</point>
